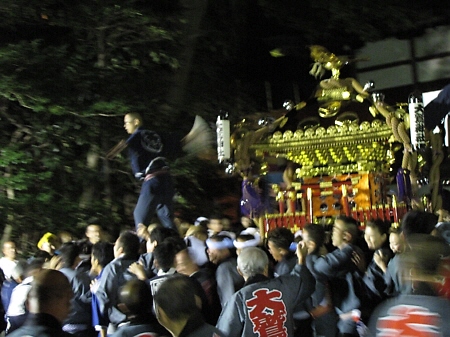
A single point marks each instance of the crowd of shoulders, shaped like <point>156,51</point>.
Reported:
<point>211,278</point>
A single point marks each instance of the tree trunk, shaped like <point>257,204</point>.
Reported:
<point>106,173</point>
<point>92,159</point>
<point>194,12</point>
<point>10,195</point>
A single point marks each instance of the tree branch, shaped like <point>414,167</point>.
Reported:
<point>22,103</point>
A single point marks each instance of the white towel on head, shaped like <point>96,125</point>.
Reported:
<point>197,250</point>
<point>199,220</point>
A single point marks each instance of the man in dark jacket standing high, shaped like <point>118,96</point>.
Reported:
<point>145,149</point>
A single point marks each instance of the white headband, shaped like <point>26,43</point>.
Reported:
<point>226,243</point>
<point>244,244</point>
<point>200,219</point>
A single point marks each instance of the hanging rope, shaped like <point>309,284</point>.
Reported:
<point>409,160</point>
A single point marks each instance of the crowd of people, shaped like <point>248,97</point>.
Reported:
<point>213,278</point>
<point>207,279</point>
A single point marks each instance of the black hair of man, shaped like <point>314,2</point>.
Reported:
<point>178,242</point>
<point>160,233</point>
<point>351,226</point>
<point>418,222</point>
<point>380,225</point>
<point>103,252</point>
<point>176,296</point>
<point>164,253</point>
<point>42,254</point>
<point>281,237</point>
<point>34,265</point>
<point>219,237</point>
<point>137,297</point>
<point>316,233</point>
<point>426,253</point>
<point>245,237</point>
<point>216,216</point>
<point>130,244</point>
<point>204,224</point>
<point>69,252</point>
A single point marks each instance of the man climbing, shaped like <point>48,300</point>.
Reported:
<point>147,151</point>
<point>157,191</point>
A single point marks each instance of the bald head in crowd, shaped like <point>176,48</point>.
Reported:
<point>136,299</point>
<point>50,294</point>
<point>177,307</point>
<point>176,303</point>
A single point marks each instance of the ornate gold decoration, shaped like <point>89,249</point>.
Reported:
<point>287,135</point>
<point>365,126</point>
<point>298,134</point>
<point>326,60</point>
<point>321,131</point>
<point>277,135</point>
<point>332,130</point>
<point>350,147</point>
<point>334,93</point>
